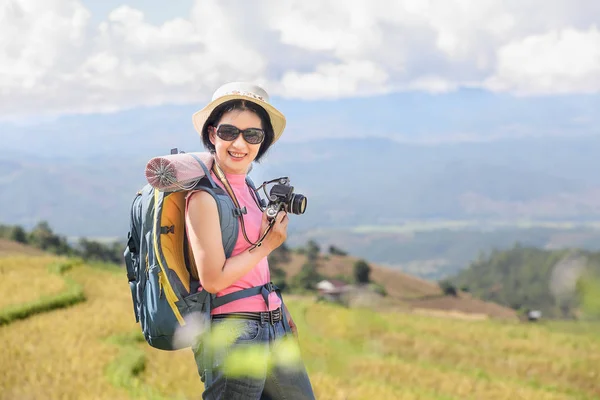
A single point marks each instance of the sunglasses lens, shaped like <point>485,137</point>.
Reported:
<point>254,136</point>
<point>228,132</point>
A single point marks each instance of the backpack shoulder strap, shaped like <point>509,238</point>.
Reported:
<point>227,213</point>
<point>206,172</point>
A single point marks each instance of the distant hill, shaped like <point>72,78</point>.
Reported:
<point>436,250</point>
<point>406,291</point>
<point>524,278</point>
<point>9,247</point>
<point>348,182</point>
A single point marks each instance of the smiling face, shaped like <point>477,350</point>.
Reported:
<point>235,157</point>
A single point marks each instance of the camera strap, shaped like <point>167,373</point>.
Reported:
<point>221,175</point>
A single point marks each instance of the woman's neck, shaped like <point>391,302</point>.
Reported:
<point>234,179</point>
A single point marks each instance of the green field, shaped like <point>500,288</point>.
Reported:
<point>91,349</point>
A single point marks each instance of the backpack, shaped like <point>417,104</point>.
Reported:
<point>161,270</point>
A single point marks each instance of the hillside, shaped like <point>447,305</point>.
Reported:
<point>406,291</point>
<point>435,250</point>
<point>9,247</point>
<point>95,351</point>
<point>552,281</point>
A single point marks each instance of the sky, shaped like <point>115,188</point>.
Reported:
<point>540,59</point>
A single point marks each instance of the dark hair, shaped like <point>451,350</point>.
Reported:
<point>240,105</point>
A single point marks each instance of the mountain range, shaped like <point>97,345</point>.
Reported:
<point>348,183</point>
<point>368,195</point>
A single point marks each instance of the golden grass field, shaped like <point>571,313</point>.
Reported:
<point>91,349</point>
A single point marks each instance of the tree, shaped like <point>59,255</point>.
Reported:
<point>18,234</point>
<point>44,238</point>
<point>307,278</point>
<point>278,277</point>
<point>336,251</point>
<point>281,255</point>
<point>361,270</point>
<point>312,250</point>
<point>93,250</point>
<point>278,257</point>
<point>449,288</point>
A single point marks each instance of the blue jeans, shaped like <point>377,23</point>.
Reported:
<point>251,360</point>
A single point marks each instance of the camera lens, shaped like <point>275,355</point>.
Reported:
<point>298,204</point>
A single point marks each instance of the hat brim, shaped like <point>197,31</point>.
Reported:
<point>277,118</point>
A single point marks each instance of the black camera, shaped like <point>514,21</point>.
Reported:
<point>282,197</point>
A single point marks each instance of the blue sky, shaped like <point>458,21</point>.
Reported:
<point>155,11</point>
<point>430,72</point>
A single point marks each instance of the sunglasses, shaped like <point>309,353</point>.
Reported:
<point>230,133</point>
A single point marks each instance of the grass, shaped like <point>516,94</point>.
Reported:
<point>62,354</point>
<point>93,349</point>
<point>17,272</point>
<point>71,292</point>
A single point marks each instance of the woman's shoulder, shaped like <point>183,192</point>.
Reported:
<point>200,200</point>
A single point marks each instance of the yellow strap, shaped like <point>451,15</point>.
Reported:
<point>171,296</point>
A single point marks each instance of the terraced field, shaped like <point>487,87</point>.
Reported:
<point>84,344</point>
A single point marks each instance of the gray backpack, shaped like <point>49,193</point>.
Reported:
<point>160,267</point>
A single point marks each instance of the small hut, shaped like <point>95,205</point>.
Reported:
<point>332,289</point>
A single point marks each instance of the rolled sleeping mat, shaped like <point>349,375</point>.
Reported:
<point>177,171</point>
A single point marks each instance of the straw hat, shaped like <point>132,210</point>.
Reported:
<point>244,91</point>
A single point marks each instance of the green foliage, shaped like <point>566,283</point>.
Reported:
<point>448,288</point>
<point>307,278</point>
<point>588,291</point>
<point>361,271</point>
<point>278,276</point>
<point>278,257</point>
<point>18,234</point>
<point>45,239</point>
<point>378,288</point>
<point>344,278</point>
<point>96,251</point>
<point>312,251</point>
<point>334,251</point>
<point>530,278</point>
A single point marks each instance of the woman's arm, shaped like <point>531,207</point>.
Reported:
<point>214,270</point>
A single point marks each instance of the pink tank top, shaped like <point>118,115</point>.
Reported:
<point>260,274</point>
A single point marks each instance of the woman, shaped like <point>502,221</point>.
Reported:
<point>237,127</point>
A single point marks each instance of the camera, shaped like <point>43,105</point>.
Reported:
<point>282,197</point>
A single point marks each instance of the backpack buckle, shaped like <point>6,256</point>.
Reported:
<point>238,212</point>
<point>270,287</point>
<point>167,229</point>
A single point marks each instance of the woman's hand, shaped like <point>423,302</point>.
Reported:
<point>291,322</point>
<point>278,232</point>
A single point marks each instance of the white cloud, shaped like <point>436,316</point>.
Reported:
<point>334,81</point>
<point>53,60</point>
<point>35,36</point>
<point>561,61</point>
